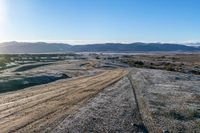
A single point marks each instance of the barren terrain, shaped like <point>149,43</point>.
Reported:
<point>42,108</point>
<point>102,94</point>
<point>168,101</point>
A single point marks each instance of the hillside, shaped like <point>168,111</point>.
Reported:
<point>42,47</point>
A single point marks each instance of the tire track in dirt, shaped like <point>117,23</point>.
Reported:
<point>31,92</point>
<point>142,106</point>
<point>31,102</point>
<point>44,107</point>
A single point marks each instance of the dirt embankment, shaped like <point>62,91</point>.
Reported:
<point>41,109</point>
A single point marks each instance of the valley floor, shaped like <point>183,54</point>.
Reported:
<point>108,100</point>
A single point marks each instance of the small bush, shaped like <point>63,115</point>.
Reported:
<point>139,63</point>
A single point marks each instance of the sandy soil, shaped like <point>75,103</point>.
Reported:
<point>41,109</point>
<point>112,110</point>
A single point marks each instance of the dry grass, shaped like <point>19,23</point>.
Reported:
<point>186,63</point>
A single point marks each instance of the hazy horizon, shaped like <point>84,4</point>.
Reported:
<point>88,42</point>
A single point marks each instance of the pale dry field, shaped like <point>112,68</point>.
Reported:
<point>168,101</point>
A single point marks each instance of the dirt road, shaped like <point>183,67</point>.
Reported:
<point>41,109</point>
<point>112,110</point>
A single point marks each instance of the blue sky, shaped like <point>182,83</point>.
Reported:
<point>88,21</point>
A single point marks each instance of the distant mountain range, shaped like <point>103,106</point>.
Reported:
<point>42,47</point>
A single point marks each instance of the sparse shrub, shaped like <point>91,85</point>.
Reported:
<point>97,57</point>
<point>193,114</point>
<point>152,64</point>
<point>139,63</point>
<point>176,115</point>
<point>197,72</point>
<point>152,67</point>
<point>169,67</point>
<point>184,115</point>
<point>163,57</point>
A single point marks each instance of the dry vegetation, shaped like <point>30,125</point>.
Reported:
<point>186,63</point>
<point>168,103</point>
